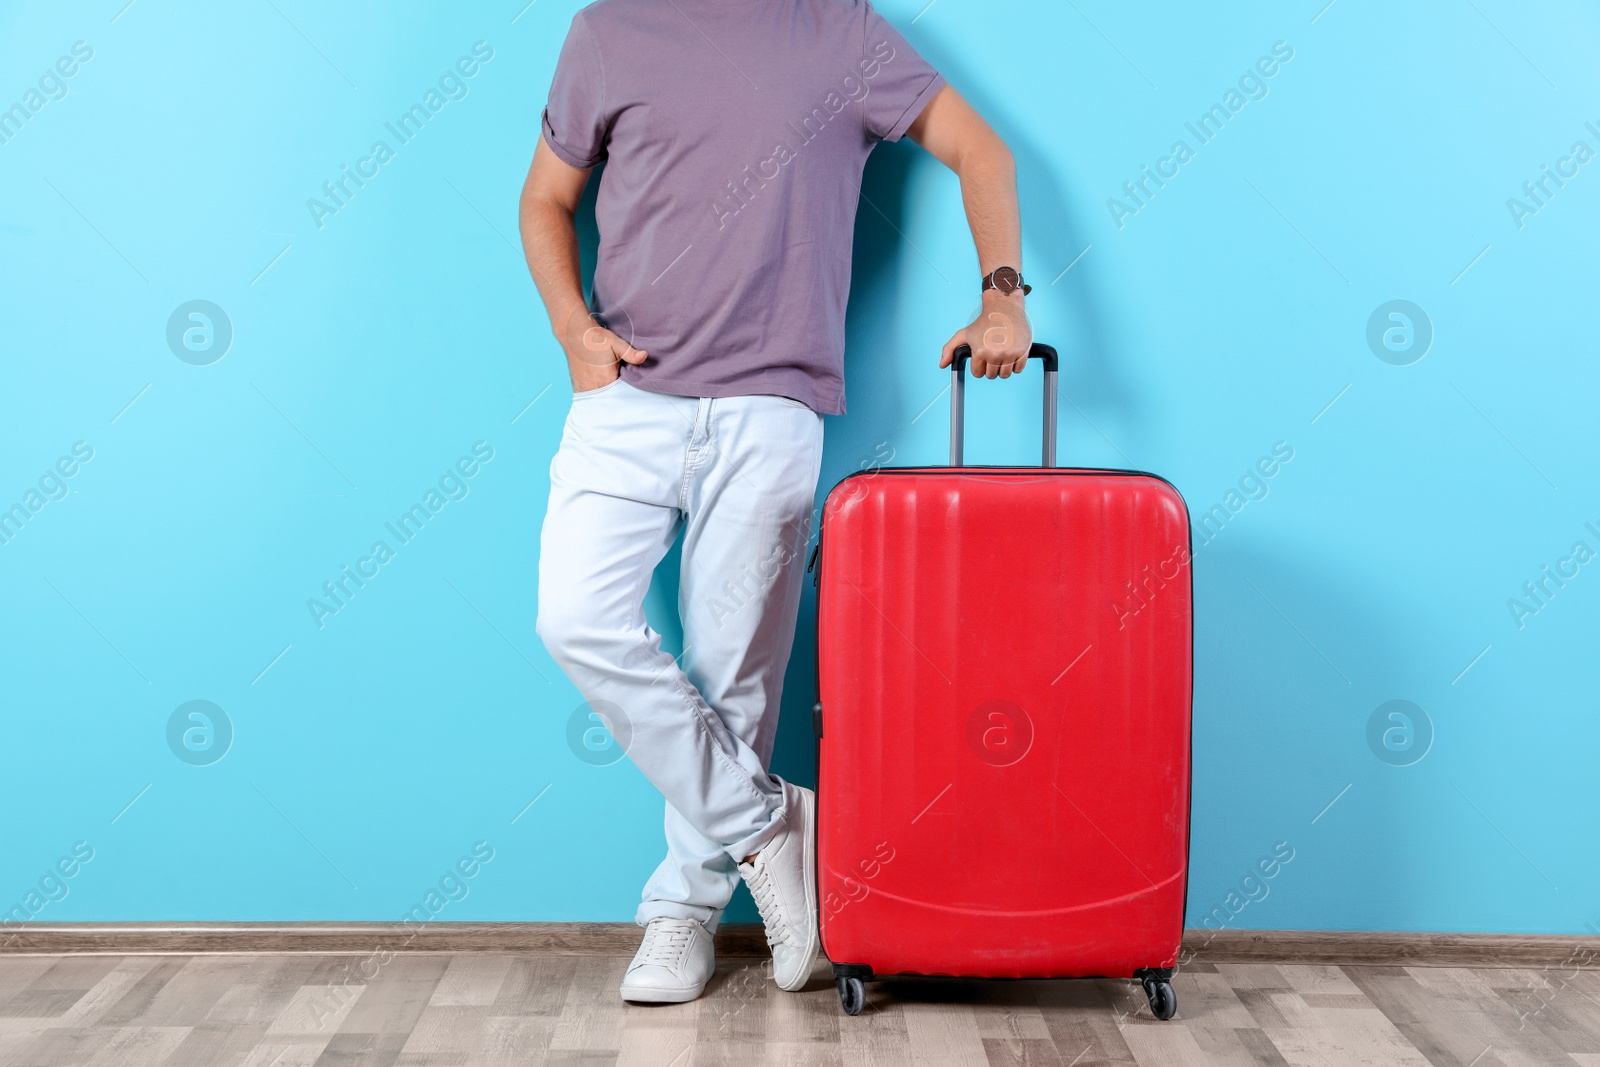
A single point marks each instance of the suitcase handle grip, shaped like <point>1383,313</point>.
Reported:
<point>958,401</point>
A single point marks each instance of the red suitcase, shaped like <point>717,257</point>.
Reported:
<point>1004,660</point>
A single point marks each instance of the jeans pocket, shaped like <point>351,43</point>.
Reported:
<point>606,388</point>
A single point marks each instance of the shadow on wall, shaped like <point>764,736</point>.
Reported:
<point>589,231</point>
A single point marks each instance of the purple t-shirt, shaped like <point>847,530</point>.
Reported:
<point>734,134</point>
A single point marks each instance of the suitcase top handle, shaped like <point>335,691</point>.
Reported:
<point>958,401</point>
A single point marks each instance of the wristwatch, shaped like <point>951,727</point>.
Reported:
<point>1005,280</point>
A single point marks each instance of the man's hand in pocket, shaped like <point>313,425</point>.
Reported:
<point>595,354</point>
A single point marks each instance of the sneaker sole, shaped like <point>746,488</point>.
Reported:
<point>809,866</point>
<point>638,995</point>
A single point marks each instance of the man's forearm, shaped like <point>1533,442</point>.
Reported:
<point>550,243</point>
<point>989,193</point>
<point>958,137</point>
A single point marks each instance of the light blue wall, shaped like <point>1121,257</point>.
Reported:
<point>1227,314</point>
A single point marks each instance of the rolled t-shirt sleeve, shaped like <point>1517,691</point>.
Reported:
<point>575,120</point>
<point>901,82</point>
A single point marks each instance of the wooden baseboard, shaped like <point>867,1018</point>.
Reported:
<point>334,938</point>
<point>741,939</point>
<point>1381,948</point>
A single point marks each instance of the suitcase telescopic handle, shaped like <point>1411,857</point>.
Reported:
<point>958,393</point>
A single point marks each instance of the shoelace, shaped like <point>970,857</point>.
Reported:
<point>664,945</point>
<point>764,893</point>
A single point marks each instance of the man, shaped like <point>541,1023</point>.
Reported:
<point>734,134</point>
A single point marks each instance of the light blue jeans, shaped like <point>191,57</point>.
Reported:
<point>740,474</point>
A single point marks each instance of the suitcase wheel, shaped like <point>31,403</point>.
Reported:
<point>1163,1001</point>
<point>852,995</point>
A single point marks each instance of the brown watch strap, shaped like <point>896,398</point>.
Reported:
<point>1005,280</point>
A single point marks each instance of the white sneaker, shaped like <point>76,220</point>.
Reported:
<point>672,965</point>
<point>783,881</point>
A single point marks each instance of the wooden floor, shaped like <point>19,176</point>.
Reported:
<point>442,1009</point>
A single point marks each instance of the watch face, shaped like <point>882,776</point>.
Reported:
<point>1006,279</point>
